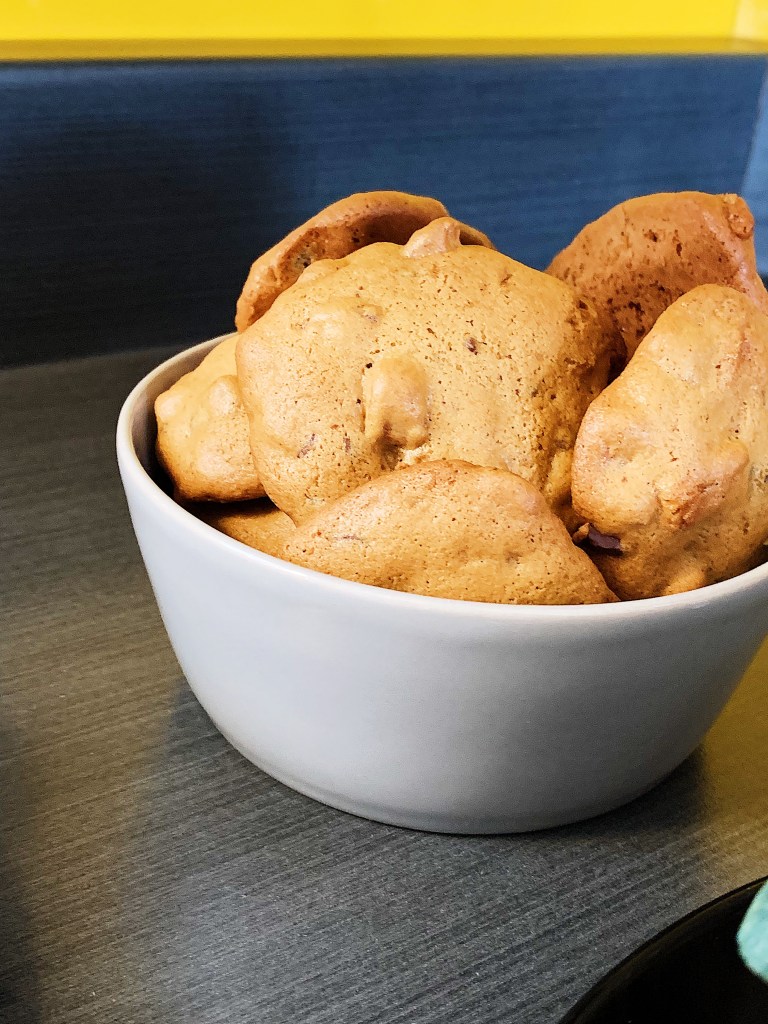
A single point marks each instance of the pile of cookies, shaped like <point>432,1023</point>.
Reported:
<point>407,407</point>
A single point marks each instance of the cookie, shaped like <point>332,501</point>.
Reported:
<point>671,461</point>
<point>449,529</point>
<point>256,523</point>
<point>336,231</point>
<point>202,432</point>
<point>403,354</point>
<point>635,260</point>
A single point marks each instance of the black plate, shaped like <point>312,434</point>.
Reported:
<point>690,973</point>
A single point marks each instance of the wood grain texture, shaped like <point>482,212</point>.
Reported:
<point>134,196</point>
<point>148,873</point>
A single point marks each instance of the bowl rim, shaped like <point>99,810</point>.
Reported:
<point>132,469</point>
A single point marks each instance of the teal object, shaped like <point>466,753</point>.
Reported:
<point>753,935</point>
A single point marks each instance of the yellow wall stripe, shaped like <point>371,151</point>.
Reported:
<point>752,20</point>
<point>94,28</point>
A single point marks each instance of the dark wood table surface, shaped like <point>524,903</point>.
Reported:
<point>148,873</point>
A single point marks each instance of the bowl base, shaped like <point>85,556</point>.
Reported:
<point>429,821</point>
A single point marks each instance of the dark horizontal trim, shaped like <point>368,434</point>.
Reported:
<point>170,49</point>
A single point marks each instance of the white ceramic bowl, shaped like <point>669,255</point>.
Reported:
<point>445,715</point>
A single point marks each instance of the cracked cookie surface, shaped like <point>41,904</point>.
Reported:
<point>643,254</point>
<point>256,523</point>
<point>450,529</point>
<point>202,432</point>
<point>403,354</point>
<point>338,230</point>
<point>671,460</point>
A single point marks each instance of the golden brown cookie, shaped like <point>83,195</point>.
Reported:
<point>635,260</point>
<point>449,529</point>
<point>256,523</point>
<point>671,461</point>
<point>336,231</point>
<point>202,432</point>
<point>402,354</point>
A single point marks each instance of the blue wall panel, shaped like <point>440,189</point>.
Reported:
<point>134,196</point>
<point>756,182</point>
